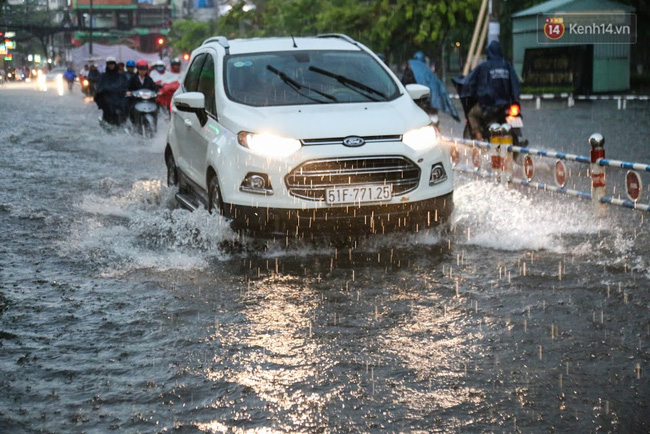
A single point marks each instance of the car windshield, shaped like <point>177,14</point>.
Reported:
<point>307,77</point>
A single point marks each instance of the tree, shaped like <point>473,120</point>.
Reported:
<point>186,35</point>
<point>394,27</point>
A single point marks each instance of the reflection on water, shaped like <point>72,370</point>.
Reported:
<point>121,312</point>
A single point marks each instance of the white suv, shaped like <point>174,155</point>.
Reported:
<point>298,136</point>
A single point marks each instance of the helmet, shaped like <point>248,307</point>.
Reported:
<point>130,63</point>
<point>159,63</point>
<point>110,59</point>
<point>142,63</point>
<point>175,61</point>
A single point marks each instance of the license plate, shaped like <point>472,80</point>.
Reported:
<point>515,122</point>
<point>358,194</point>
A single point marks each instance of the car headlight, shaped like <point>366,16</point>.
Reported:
<point>421,138</point>
<point>268,144</point>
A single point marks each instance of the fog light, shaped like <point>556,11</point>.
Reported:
<point>256,183</point>
<point>438,174</point>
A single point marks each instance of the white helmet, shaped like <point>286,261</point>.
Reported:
<point>159,63</point>
<point>111,59</point>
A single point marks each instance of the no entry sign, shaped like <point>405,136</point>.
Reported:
<point>476,158</point>
<point>560,173</point>
<point>529,170</point>
<point>633,185</point>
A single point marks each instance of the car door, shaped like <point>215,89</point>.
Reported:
<point>202,135</point>
<point>183,120</point>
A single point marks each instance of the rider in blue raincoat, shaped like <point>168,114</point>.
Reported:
<point>420,73</point>
<point>493,84</point>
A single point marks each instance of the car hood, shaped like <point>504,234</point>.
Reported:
<point>327,120</point>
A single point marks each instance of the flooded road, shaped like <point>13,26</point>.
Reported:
<point>121,312</point>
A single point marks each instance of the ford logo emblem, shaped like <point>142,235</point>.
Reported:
<point>353,141</point>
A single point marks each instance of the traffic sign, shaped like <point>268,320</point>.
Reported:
<point>454,155</point>
<point>560,173</point>
<point>633,185</point>
<point>529,170</point>
<point>476,158</point>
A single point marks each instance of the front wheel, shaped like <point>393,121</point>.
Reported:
<point>172,170</point>
<point>215,201</point>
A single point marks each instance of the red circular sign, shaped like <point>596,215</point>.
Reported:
<point>554,28</point>
<point>476,158</point>
<point>560,174</point>
<point>529,170</point>
<point>633,185</point>
<point>454,155</point>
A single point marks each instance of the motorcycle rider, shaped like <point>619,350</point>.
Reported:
<point>141,80</point>
<point>493,84</point>
<point>169,84</point>
<point>418,72</point>
<point>93,78</point>
<point>130,69</point>
<point>110,93</point>
<point>69,76</point>
<point>174,73</point>
<point>158,72</point>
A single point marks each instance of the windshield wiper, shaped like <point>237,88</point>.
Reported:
<point>350,83</point>
<point>297,86</point>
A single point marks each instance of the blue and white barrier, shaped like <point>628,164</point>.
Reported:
<point>621,100</point>
<point>501,151</point>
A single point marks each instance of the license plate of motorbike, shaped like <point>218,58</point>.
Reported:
<point>515,121</point>
<point>358,194</point>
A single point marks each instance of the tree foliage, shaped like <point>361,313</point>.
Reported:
<point>394,27</point>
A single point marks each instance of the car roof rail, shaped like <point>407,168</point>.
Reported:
<point>221,40</point>
<point>339,36</point>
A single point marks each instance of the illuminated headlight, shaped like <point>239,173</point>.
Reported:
<point>268,144</point>
<point>438,174</point>
<point>421,138</point>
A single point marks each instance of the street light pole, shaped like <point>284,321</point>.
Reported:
<point>90,31</point>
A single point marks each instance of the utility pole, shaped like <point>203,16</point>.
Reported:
<point>90,31</point>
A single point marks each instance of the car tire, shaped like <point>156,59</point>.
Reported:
<point>172,170</point>
<point>215,201</point>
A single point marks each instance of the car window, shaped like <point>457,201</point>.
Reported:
<point>193,73</point>
<point>206,84</point>
<point>307,77</point>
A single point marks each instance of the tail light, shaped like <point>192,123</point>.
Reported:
<point>513,111</point>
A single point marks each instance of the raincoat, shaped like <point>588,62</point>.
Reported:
<point>494,82</point>
<point>439,98</point>
<point>110,95</point>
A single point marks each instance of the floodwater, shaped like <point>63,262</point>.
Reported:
<point>121,312</point>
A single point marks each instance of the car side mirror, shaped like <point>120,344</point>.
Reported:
<point>192,102</point>
<point>420,94</point>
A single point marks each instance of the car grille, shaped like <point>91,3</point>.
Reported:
<point>312,178</point>
<point>339,140</point>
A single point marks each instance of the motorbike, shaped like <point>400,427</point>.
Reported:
<point>144,112</point>
<point>85,85</point>
<point>165,94</point>
<point>510,114</point>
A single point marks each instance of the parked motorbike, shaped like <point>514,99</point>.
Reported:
<point>510,114</point>
<point>144,112</point>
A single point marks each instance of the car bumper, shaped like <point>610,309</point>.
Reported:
<point>342,221</point>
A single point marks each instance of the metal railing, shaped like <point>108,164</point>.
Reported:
<point>501,155</point>
<point>621,100</point>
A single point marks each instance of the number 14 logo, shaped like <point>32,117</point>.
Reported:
<point>554,28</point>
